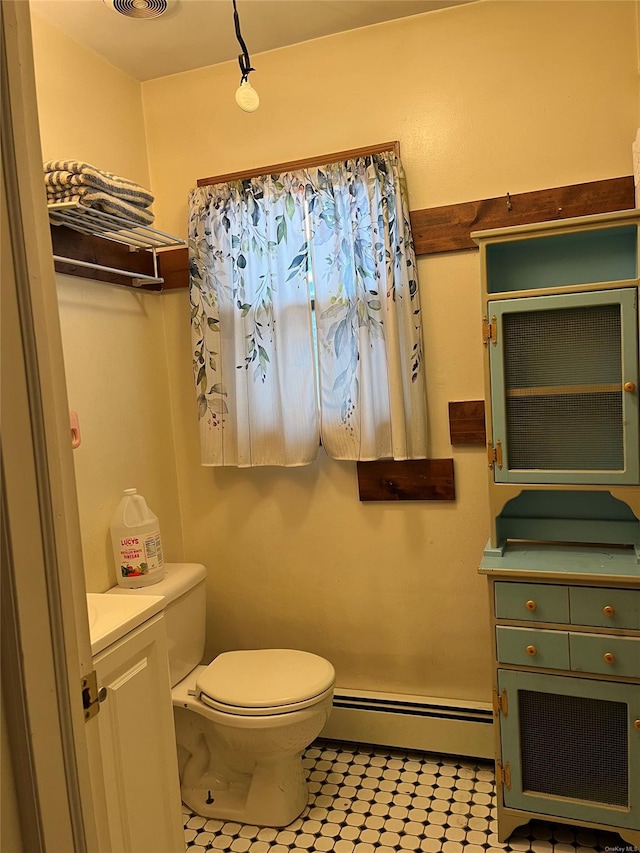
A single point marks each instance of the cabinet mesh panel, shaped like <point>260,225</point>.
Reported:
<point>563,383</point>
<point>573,746</point>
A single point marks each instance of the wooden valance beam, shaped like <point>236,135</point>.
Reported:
<point>308,163</point>
<point>448,228</point>
<point>435,229</point>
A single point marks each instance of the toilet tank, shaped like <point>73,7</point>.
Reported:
<point>183,587</point>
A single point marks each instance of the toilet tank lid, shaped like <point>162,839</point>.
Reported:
<point>179,579</point>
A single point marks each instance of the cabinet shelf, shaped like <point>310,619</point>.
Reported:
<point>558,390</point>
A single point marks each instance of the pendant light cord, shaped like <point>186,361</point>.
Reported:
<point>244,60</point>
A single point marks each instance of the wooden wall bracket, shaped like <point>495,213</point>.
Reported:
<point>466,423</point>
<point>407,480</point>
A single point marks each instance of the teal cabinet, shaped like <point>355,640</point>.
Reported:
<point>566,693</point>
<point>572,748</point>
<point>564,379</point>
<point>560,328</point>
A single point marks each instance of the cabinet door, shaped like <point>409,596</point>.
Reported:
<point>572,746</point>
<point>564,377</point>
<point>138,744</point>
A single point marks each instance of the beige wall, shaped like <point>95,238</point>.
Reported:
<point>115,358</point>
<point>486,99</point>
<point>88,109</point>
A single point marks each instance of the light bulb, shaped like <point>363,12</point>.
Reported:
<point>247,97</point>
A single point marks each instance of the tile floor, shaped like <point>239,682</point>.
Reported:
<point>366,799</point>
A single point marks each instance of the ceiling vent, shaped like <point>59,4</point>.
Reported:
<point>138,8</point>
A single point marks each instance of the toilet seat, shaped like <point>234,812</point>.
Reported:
<point>262,682</point>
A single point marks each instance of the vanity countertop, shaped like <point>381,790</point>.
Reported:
<point>111,617</point>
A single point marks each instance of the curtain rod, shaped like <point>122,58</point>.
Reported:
<point>309,162</point>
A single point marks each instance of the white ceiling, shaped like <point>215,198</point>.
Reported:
<point>197,33</point>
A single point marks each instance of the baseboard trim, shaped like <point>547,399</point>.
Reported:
<point>412,722</point>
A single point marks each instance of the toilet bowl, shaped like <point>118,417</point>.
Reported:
<point>242,722</point>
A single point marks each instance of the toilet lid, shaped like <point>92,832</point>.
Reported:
<point>265,678</point>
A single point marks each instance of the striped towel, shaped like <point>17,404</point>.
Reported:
<point>97,200</point>
<point>76,173</point>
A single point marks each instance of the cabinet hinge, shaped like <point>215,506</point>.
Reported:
<point>503,775</point>
<point>91,696</point>
<point>500,703</point>
<point>489,331</point>
<point>494,454</point>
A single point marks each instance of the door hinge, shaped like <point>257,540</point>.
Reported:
<point>494,454</point>
<point>91,696</point>
<point>503,775</point>
<point>500,703</point>
<point>489,331</point>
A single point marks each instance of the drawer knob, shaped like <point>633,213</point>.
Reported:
<point>531,605</point>
<point>608,610</point>
<point>531,651</point>
<point>609,658</point>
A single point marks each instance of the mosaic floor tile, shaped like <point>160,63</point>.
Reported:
<point>365,799</point>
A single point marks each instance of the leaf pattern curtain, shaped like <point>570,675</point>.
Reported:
<point>253,360</point>
<point>259,250</point>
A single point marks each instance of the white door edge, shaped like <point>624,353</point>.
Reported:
<point>47,648</point>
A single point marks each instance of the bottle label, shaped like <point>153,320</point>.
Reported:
<point>140,555</point>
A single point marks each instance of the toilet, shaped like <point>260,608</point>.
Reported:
<point>243,721</point>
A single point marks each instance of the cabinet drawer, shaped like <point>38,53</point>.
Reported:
<point>535,602</point>
<point>606,655</point>
<point>532,647</point>
<point>607,608</point>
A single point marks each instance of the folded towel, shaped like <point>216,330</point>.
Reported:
<point>94,199</point>
<point>62,173</point>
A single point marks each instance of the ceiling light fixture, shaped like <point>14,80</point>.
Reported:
<point>138,8</point>
<point>246,96</point>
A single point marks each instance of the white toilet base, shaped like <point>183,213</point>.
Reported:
<point>274,796</point>
<point>245,769</point>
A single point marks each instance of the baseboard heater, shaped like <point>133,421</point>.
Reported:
<point>412,722</point>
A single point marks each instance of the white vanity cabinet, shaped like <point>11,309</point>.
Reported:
<point>137,744</point>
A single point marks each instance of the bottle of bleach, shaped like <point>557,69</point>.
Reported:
<point>137,546</point>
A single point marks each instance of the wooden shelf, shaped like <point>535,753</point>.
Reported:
<point>407,480</point>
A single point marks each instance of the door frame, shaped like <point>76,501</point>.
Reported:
<point>45,634</point>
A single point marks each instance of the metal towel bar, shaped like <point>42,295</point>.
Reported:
<point>138,279</point>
